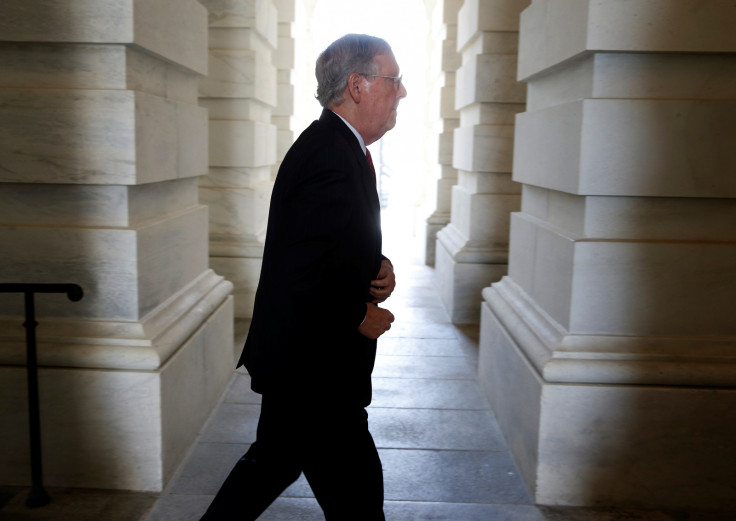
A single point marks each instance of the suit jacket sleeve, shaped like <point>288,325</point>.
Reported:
<point>319,260</point>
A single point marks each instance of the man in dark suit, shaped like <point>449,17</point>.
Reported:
<point>312,341</point>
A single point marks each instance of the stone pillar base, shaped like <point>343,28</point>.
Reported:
<point>462,270</point>
<point>434,224</point>
<point>119,412</point>
<point>597,442</point>
<point>244,273</point>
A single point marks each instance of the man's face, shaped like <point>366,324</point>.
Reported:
<point>382,98</point>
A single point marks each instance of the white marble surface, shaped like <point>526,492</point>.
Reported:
<point>169,134</point>
<point>463,267</point>
<point>446,141</point>
<point>649,286</point>
<point>483,148</point>
<point>639,218</point>
<point>93,66</point>
<point>492,113</point>
<point>672,443</point>
<point>489,42</point>
<point>124,272</point>
<point>557,30</point>
<point>488,182</point>
<point>488,78</point>
<point>148,73</point>
<point>284,56</point>
<point>599,444</point>
<point>244,273</point>
<point>159,25</point>
<point>170,254</point>
<point>260,15</point>
<point>512,387</point>
<point>237,38</point>
<point>235,211</point>
<point>451,59</point>
<point>242,143</point>
<point>284,139</point>
<point>119,429</point>
<point>237,109</point>
<point>444,194</point>
<point>472,250</point>
<point>153,25</point>
<point>108,21</point>
<point>62,66</point>
<point>100,429</point>
<point>285,103</point>
<point>240,73</point>
<point>447,103</point>
<point>57,136</point>
<point>193,382</point>
<point>102,142</point>
<point>143,345</point>
<point>638,76</point>
<point>563,356</point>
<point>541,260</point>
<point>236,177</point>
<point>607,352</point>
<point>286,9</point>
<point>623,147</point>
<point>98,137</point>
<point>93,205</point>
<point>483,217</point>
<point>63,205</point>
<point>488,15</point>
<point>249,94</point>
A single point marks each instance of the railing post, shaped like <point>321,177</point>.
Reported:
<point>37,497</point>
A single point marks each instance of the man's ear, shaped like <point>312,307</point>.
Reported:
<point>355,81</point>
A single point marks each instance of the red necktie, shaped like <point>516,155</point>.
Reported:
<point>370,162</point>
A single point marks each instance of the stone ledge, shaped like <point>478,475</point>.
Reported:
<point>555,31</point>
<point>108,345</point>
<point>561,357</point>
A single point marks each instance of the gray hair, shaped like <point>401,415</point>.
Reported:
<point>346,55</point>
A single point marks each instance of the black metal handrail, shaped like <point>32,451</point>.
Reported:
<point>37,497</point>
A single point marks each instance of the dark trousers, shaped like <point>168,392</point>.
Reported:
<point>329,442</point>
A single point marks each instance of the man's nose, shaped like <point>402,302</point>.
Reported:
<point>402,90</point>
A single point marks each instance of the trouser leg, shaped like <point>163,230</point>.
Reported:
<point>329,441</point>
<point>344,469</point>
<point>262,474</point>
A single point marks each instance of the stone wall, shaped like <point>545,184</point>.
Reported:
<point>472,250</point>
<point>607,352</point>
<point>102,142</point>
<point>240,92</point>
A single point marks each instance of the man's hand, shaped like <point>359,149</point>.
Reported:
<point>377,321</point>
<point>385,282</point>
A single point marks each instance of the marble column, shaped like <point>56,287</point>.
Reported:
<point>240,92</point>
<point>608,350</point>
<point>449,121</point>
<point>472,250</point>
<point>284,62</point>
<point>101,145</point>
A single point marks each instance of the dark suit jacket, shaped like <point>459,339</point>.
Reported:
<point>323,247</point>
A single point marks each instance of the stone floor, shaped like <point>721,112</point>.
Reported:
<point>443,453</point>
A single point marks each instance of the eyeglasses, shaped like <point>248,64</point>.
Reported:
<point>395,79</point>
